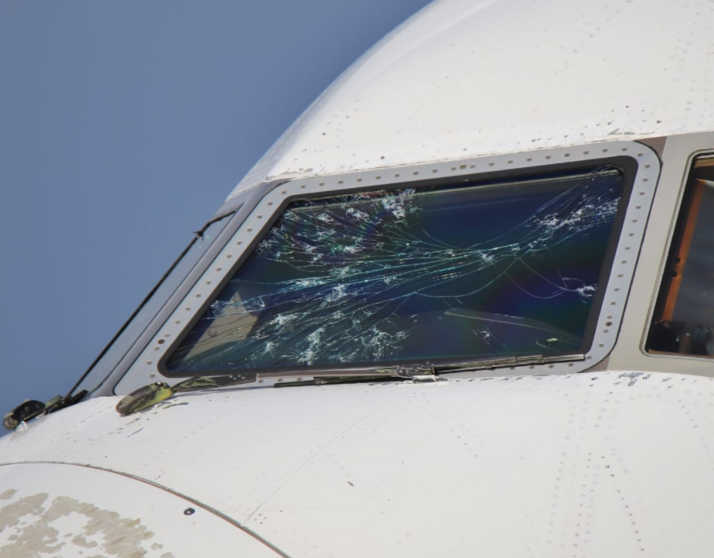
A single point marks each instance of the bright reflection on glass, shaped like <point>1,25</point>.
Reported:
<point>440,274</point>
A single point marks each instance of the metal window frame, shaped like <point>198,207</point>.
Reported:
<point>269,199</point>
<point>679,208</point>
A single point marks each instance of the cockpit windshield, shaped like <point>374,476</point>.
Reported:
<point>433,274</point>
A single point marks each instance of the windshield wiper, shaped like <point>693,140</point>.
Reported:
<point>505,362</point>
<point>31,409</point>
<point>389,374</point>
<point>152,394</point>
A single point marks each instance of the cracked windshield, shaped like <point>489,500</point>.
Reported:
<point>429,275</point>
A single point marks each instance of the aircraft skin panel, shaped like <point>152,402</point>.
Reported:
<point>463,79</point>
<point>69,511</point>
<point>593,464</point>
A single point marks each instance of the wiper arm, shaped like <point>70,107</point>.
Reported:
<point>31,409</point>
<point>151,394</point>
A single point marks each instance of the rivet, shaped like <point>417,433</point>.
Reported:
<point>416,172</point>
<point>322,183</point>
<point>239,243</point>
<point>229,256</point>
<point>189,511</point>
<point>547,156</point>
<point>303,186</point>
<point>461,167</point>
<point>566,155</point>
<point>586,153</point>
<point>378,177</point>
<point>198,296</point>
<point>208,282</point>
<point>359,180</point>
<point>161,341</point>
<point>491,164</point>
<point>434,170</point>
<point>340,182</point>
<point>284,192</point>
<point>250,230</point>
<point>188,308</point>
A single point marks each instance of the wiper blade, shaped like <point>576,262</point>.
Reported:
<point>396,373</point>
<point>152,394</point>
<point>505,362</point>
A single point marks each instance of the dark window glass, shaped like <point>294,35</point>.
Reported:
<point>428,275</point>
<point>684,318</point>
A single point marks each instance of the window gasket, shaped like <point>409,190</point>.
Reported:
<point>642,176</point>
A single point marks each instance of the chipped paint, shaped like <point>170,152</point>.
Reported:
<point>8,494</point>
<point>70,511</point>
<point>32,525</point>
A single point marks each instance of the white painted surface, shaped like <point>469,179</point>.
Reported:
<point>592,465</point>
<point>466,78</point>
<point>69,511</point>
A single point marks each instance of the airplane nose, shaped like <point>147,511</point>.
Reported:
<point>70,510</point>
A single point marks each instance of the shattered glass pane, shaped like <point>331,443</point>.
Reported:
<point>430,275</point>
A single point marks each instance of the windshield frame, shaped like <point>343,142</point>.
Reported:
<point>640,167</point>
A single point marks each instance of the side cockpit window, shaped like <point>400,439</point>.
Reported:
<point>684,316</point>
<point>424,274</point>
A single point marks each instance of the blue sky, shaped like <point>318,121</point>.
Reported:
<point>123,126</point>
